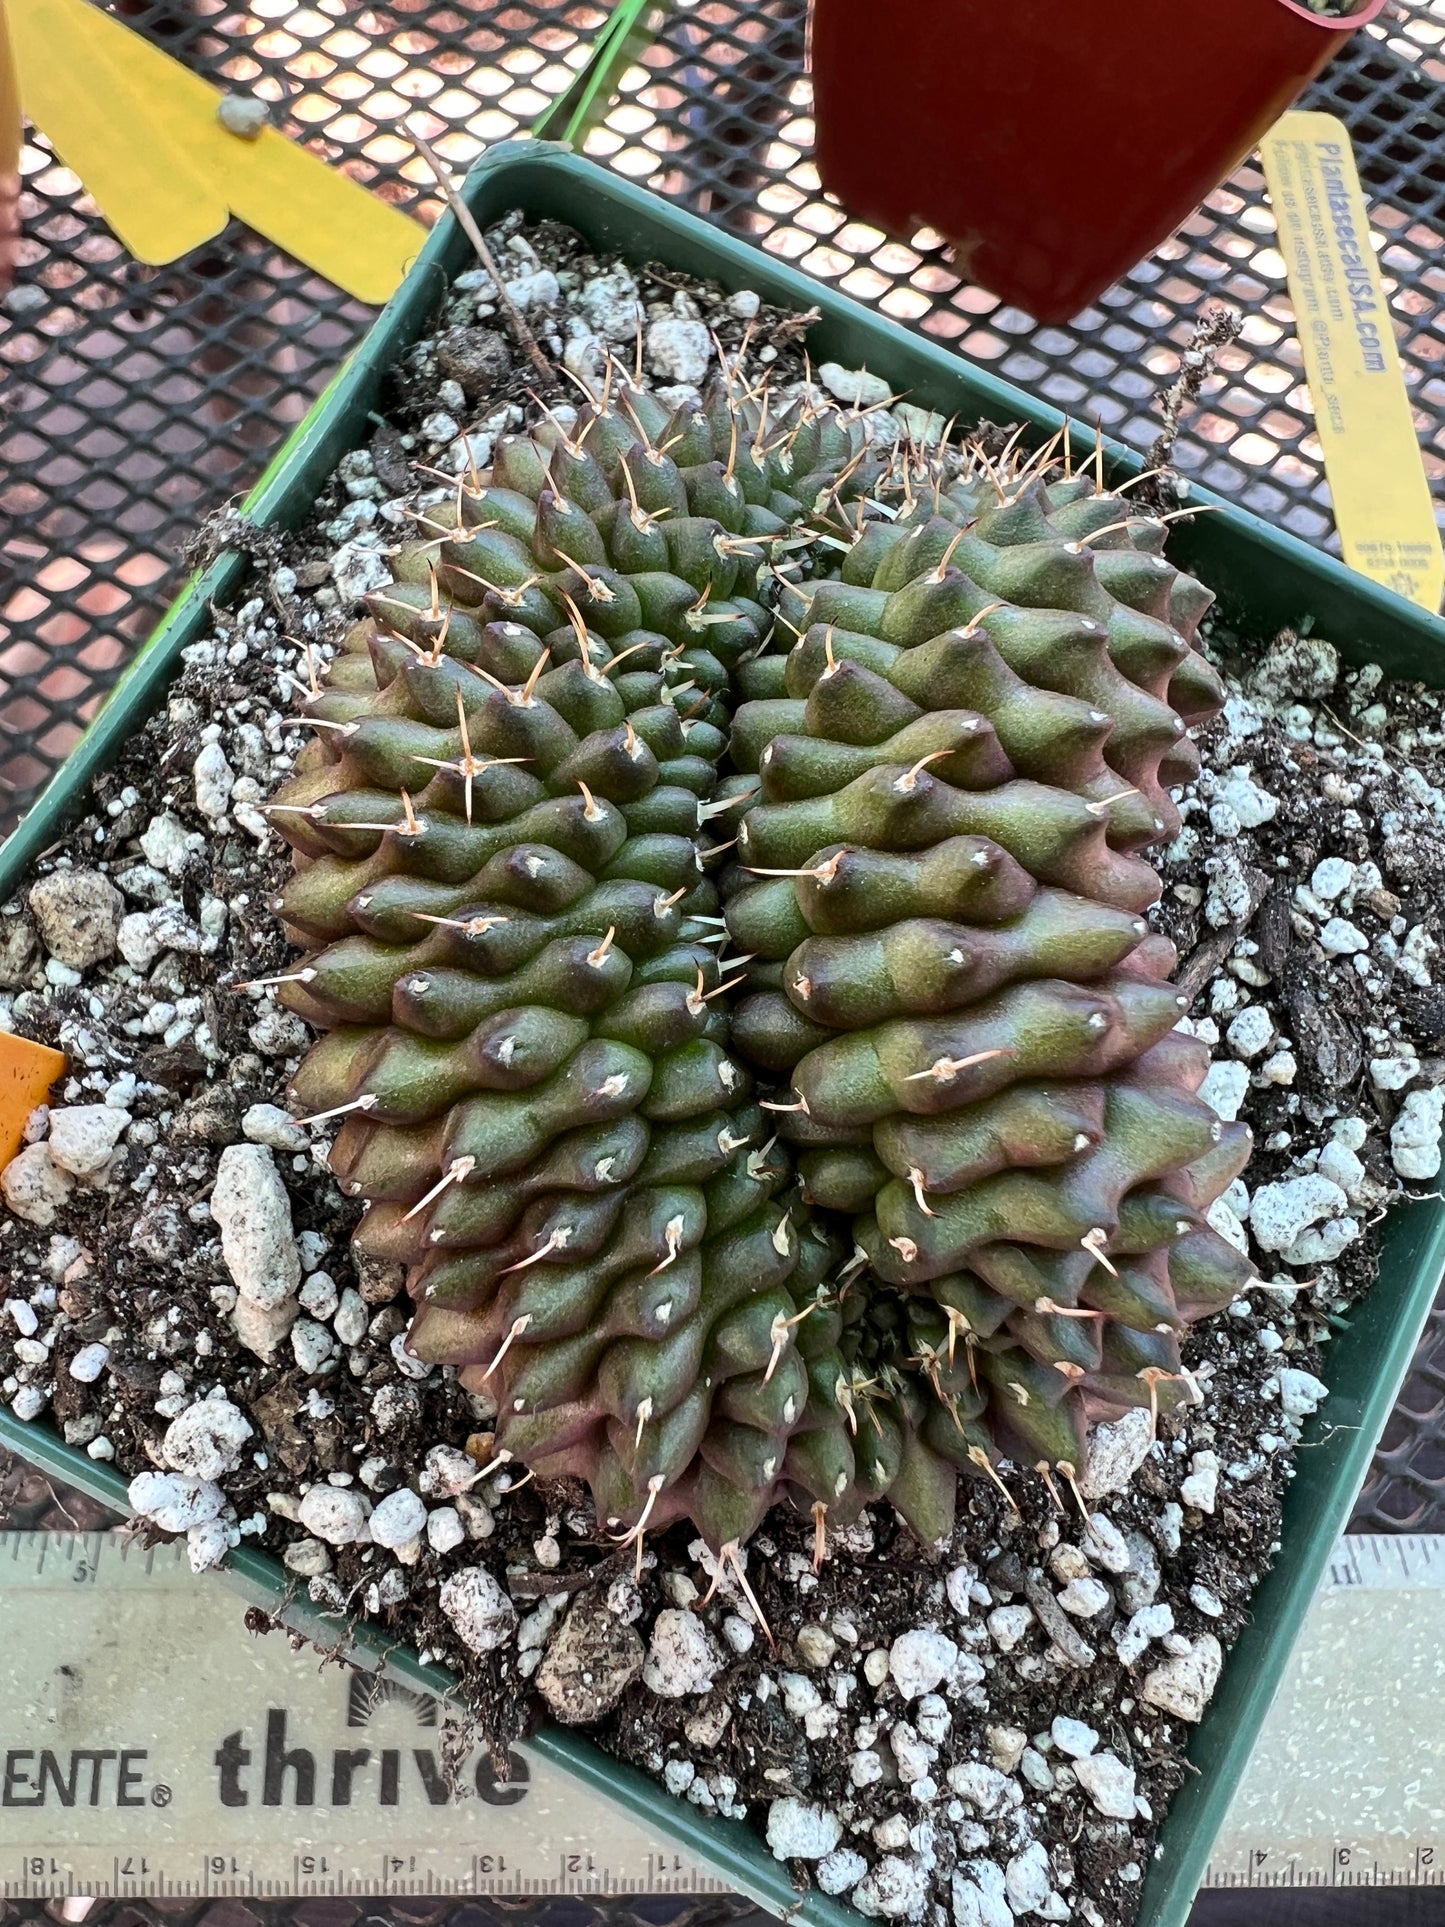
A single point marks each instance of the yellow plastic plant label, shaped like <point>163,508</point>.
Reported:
<point>144,135</point>
<point>1362,411</point>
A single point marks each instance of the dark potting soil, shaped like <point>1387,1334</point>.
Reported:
<point>989,1727</point>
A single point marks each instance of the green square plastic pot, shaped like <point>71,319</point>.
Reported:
<point>1264,580</point>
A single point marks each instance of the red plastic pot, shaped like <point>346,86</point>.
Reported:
<point>1055,143</point>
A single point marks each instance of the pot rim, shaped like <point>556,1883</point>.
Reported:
<point>1335,23</point>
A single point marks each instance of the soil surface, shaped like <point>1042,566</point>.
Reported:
<point>982,1730</point>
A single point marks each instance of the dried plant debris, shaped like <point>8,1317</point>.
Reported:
<point>974,1731</point>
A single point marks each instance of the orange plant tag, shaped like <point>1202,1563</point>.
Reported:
<point>27,1072</point>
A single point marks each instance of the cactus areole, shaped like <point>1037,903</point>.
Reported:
<point>719,867</point>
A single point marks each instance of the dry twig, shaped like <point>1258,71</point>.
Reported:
<point>522,334</point>
<point>1214,330</point>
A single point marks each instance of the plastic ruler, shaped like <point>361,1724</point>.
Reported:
<point>149,1746</point>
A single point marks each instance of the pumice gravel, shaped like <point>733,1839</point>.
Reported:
<point>982,1730</point>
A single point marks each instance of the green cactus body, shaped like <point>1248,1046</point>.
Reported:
<point>954,974</point>
<point>512,946</point>
<point>986,1223</point>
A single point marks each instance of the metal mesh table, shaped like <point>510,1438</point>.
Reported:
<point>138,399</point>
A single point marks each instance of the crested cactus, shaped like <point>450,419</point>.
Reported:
<point>984,1225</point>
<point>939,877</point>
<point>512,946</point>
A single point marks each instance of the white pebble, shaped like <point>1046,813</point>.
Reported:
<point>682,1655</point>
<point>800,1695</point>
<point>1073,1737</point>
<point>1223,821</point>
<point>1332,878</point>
<point>207,1545</point>
<point>1008,1624</point>
<point>250,1204</point>
<point>407,1362</point>
<point>358,568</point>
<point>33,1186</point>
<point>398,1518</point>
<point>840,1870</point>
<point>311,1343</point>
<point>23,1317</point>
<point>214,779</point>
<point>609,304</point>
<point>679,346</point>
<point>1106,1545</point>
<point>1109,1783</point>
<point>1201,1488</point>
<point>447,1471</point>
<point>1279,1068</point>
<point>1116,1451</point>
<point>166,843</point>
<point>269,1124</point>
<point>482,1614</point>
<point>206,1441</point>
<point>335,1514</point>
<point>78,912</point>
<point>1393,1073</point>
<point>919,1659</point>
<point>28,1403</point>
<point>244,115</point>
<point>1224,1089</point>
<point>897,1889</point>
<point>1252,805</point>
<point>798,1830</point>
<point>1322,1244</point>
<point>984,1787</point>
<point>1150,1622</point>
<point>351,1320</point>
<point>1028,1879</point>
<point>1228,897</point>
<point>1300,1393</point>
<point>1084,1597</point>
<point>174,1503</point>
<point>444,1529</point>
<point>83,1137</point>
<point>738,1634</point>
<point>261,1328</point>
<point>1414,952</point>
<point>1278,1213</point>
<point>308,1557</point>
<point>88,1364</point>
<point>538,290</point>
<point>318,1294</point>
<point>1184,1683</point>
<point>959,1585</point>
<point>1251,1032</point>
<point>1416,1133</point>
<point>1340,938</point>
<point>1221,1218</point>
<point>854,385</point>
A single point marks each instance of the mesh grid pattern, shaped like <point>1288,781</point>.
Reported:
<point>138,399</point>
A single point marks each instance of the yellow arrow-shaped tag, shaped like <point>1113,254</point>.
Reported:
<point>1362,411</point>
<point>9,156</point>
<point>144,135</point>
